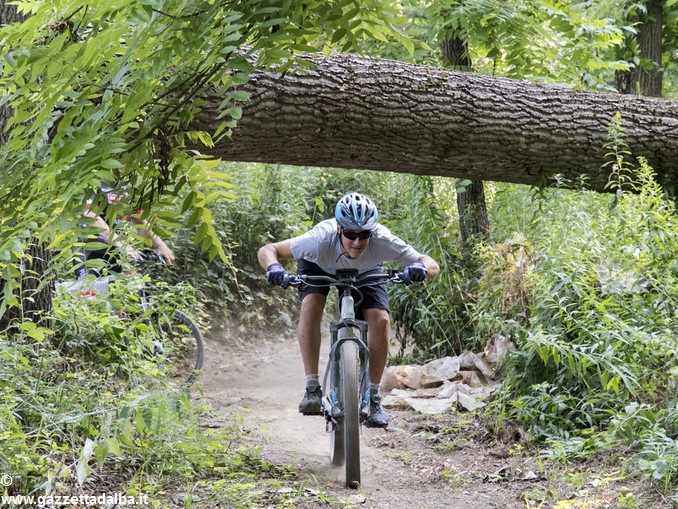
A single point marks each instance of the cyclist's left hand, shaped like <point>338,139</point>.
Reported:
<point>276,274</point>
<point>166,254</point>
<point>414,273</point>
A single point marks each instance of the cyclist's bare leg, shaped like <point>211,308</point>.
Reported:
<point>377,341</point>
<point>308,330</point>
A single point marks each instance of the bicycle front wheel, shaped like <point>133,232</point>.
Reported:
<point>349,382</point>
<point>186,340</point>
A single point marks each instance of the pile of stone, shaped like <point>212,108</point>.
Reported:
<point>464,382</point>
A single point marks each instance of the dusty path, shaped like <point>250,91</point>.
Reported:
<point>407,465</point>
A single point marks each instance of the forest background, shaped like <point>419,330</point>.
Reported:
<point>584,284</point>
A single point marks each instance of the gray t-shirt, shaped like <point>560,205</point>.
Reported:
<point>322,246</point>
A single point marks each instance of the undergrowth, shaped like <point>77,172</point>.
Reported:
<point>86,406</point>
<point>596,334</point>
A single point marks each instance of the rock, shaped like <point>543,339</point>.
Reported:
<point>435,373</point>
<point>390,381</point>
<point>471,361</point>
<point>450,389</point>
<point>392,401</point>
<point>419,393</point>
<point>497,349</point>
<point>401,377</point>
<point>471,378</point>
<point>469,402</point>
<point>442,385</point>
<point>431,406</point>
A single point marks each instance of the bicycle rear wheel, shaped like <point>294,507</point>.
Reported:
<point>349,382</point>
<point>199,353</point>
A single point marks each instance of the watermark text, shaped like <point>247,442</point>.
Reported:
<point>115,499</point>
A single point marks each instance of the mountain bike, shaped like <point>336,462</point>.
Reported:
<point>174,326</point>
<point>346,384</point>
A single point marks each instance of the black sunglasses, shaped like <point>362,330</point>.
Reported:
<point>362,235</point>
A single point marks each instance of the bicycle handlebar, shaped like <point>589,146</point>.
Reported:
<point>149,256</point>
<point>391,275</point>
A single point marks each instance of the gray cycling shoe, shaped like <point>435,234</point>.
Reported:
<point>377,418</point>
<point>312,402</point>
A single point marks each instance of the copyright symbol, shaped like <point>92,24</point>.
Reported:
<point>6,480</point>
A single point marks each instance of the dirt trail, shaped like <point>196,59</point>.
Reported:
<point>262,381</point>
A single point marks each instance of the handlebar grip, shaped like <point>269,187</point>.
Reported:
<point>293,280</point>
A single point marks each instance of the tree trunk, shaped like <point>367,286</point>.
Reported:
<point>8,14</point>
<point>34,294</point>
<point>354,112</point>
<point>474,224</point>
<point>36,301</point>
<point>638,80</point>
<point>455,53</point>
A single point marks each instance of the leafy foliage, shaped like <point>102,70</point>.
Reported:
<point>78,392</point>
<point>601,337</point>
<point>107,92</point>
<point>88,399</point>
<point>435,318</point>
<point>544,40</point>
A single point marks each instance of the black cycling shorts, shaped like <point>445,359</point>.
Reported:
<point>374,296</point>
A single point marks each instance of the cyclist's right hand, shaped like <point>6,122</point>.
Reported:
<point>276,274</point>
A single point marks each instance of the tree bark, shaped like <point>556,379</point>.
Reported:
<point>455,52</point>
<point>638,80</point>
<point>34,294</point>
<point>354,112</point>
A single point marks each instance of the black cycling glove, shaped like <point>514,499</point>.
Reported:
<point>414,273</point>
<point>276,274</point>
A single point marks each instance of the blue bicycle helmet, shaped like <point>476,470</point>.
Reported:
<point>356,211</point>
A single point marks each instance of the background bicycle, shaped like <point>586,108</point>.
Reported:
<point>145,317</point>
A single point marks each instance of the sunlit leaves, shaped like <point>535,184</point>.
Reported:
<point>565,42</point>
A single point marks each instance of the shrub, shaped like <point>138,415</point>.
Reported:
<point>601,333</point>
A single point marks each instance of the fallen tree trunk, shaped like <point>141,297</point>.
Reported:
<point>363,113</point>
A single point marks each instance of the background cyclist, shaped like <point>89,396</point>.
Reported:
<point>114,197</point>
<point>353,239</point>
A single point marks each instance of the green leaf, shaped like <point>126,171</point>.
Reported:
<point>274,22</point>
<point>239,95</point>
<point>100,452</point>
<point>111,164</point>
<point>114,447</point>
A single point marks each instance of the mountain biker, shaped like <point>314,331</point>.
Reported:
<point>353,239</point>
<point>113,197</point>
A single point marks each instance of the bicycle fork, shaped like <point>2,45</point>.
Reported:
<point>340,333</point>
